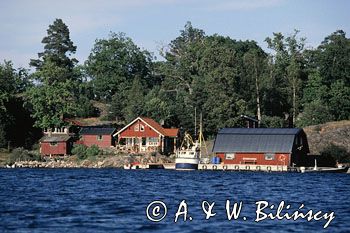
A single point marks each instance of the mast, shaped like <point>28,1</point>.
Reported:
<point>200,136</point>
<point>195,122</point>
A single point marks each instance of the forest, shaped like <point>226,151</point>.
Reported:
<point>290,85</point>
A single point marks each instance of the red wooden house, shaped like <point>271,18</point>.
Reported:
<point>57,142</point>
<point>146,135</point>
<point>101,137</point>
<point>262,146</point>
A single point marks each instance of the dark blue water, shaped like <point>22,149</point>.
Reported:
<point>111,200</point>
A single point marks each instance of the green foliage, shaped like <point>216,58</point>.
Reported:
<point>57,93</point>
<point>54,62</point>
<point>272,122</point>
<point>288,66</point>
<point>79,150</point>
<point>217,76</point>
<point>83,152</point>
<point>339,153</point>
<point>314,113</point>
<point>113,64</point>
<point>135,101</point>
<point>3,140</point>
<point>315,89</point>
<point>340,100</point>
<point>20,154</point>
<point>93,151</point>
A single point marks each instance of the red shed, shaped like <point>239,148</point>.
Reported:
<point>262,146</point>
<point>146,135</point>
<point>101,137</point>
<point>58,142</point>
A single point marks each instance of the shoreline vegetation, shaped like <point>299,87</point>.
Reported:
<point>100,161</point>
<point>221,78</point>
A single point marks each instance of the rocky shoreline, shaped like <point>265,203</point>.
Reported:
<point>106,162</point>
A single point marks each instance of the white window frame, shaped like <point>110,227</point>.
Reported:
<point>270,156</point>
<point>142,128</point>
<point>136,127</point>
<point>230,156</point>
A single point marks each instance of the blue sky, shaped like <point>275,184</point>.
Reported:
<point>154,23</point>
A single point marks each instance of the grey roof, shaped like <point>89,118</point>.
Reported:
<point>55,138</point>
<point>96,131</point>
<point>255,140</point>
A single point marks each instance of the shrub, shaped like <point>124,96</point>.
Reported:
<point>20,154</point>
<point>93,151</point>
<point>272,122</point>
<point>80,151</point>
<point>339,153</point>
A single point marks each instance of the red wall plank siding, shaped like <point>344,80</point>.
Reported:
<point>280,158</point>
<point>89,140</point>
<point>60,149</point>
<point>130,131</point>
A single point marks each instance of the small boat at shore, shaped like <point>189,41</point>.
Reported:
<point>326,170</point>
<point>132,166</point>
<point>340,169</point>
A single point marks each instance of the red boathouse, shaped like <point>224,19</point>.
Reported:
<point>101,137</point>
<point>262,146</point>
<point>146,135</point>
<point>57,142</point>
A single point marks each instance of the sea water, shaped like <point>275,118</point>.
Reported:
<point>114,200</point>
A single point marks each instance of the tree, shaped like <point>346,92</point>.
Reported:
<point>340,100</point>
<point>13,83</point>
<point>256,64</point>
<point>289,64</point>
<point>113,64</point>
<point>135,101</point>
<point>57,44</point>
<point>332,58</point>
<point>53,98</point>
<point>329,76</point>
<point>315,112</point>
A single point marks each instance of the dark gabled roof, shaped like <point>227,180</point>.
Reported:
<point>96,131</point>
<point>255,140</point>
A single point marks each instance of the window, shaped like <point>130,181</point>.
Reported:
<point>99,137</point>
<point>142,128</point>
<point>153,141</point>
<point>230,156</point>
<point>144,141</point>
<point>136,128</point>
<point>269,156</point>
<point>53,143</point>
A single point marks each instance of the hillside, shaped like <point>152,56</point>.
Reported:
<point>319,136</point>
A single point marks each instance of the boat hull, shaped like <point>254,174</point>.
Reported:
<point>328,170</point>
<point>186,166</point>
<point>186,163</point>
